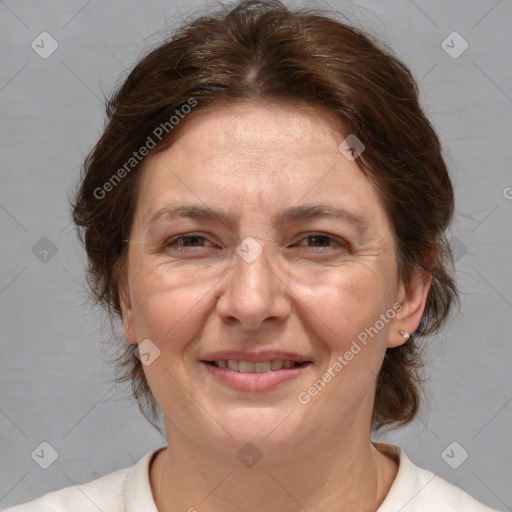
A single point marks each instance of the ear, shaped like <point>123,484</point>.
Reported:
<point>412,299</point>
<point>127,313</point>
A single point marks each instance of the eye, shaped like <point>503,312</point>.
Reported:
<point>187,241</point>
<point>322,241</point>
<point>192,242</point>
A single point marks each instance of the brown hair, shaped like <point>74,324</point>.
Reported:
<point>261,50</point>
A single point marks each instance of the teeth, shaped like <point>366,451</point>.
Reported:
<point>262,366</point>
<point>255,367</point>
<point>276,364</point>
<point>246,367</point>
<point>233,365</point>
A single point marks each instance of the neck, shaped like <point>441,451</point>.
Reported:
<point>347,474</point>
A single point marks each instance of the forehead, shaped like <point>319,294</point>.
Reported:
<point>260,154</point>
<point>252,124</point>
<point>275,132</point>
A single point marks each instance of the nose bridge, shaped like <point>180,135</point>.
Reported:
<point>252,290</point>
<point>253,266</point>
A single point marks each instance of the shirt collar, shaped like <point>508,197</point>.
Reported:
<point>137,488</point>
<point>405,482</point>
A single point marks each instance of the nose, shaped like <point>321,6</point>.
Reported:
<point>253,292</point>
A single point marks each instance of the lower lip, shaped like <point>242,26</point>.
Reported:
<point>254,381</point>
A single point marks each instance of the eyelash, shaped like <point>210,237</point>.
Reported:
<point>172,242</point>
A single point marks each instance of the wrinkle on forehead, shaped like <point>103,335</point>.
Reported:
<point>235,129</point>
<point>263,138</point>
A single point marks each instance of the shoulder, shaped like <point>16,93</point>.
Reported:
<point>104,493</point>
<point>419,490</point>
<point>112,493</point>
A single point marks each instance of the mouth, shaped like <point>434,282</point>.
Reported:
<point>259,375</point>
<point>257,366</point>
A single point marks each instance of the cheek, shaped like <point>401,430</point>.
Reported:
<point>166,305</point>
<point>345,302</point>
<point>345,318</point>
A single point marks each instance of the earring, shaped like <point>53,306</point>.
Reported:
<point>405,334</point>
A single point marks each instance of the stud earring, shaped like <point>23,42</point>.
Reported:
<point>405,334</point>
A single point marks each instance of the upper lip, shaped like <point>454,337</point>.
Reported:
<point>266,355</point>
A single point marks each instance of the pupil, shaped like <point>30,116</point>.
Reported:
<point>319,238</point>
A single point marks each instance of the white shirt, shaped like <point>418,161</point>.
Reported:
<point>128,490</point>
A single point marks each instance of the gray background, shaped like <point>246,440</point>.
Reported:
<point>55,385</point>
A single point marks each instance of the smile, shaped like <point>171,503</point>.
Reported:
<point>255,375</point>
<point>256,367</point>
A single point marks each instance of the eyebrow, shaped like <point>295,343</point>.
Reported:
<point>291,214</point>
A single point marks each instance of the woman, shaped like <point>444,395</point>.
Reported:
<point>265,213</point>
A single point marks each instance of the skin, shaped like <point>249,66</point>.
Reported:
<point>309,296</point>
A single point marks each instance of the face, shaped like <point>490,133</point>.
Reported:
<point>255,239</point>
